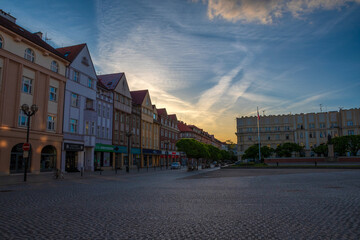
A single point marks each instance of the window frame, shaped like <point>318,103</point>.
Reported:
<point>29,55</point>
<point>54,66</point>
<point>51,119</point>
<point>29,85</point>
<point>76,100</point>
<point>73,125</point>
<point>54,94</point>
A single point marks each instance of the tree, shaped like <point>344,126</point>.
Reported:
<point>253,152</point>
<point>286,149</point>
<point>341,145</point>
<point>321,149</point>
<point>354,144</point>
<point>214,152</point>
<point>225,155</point>
<point>192,148</point>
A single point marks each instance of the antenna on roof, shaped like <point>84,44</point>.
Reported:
<point>46,38</point>
<point>321,107</point>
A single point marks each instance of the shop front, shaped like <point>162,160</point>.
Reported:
<point>121,157</point>
<point>103,155</point>
<point>74,156</point>
<point>151,157</point>
<point>136,157</point>
<point>168,157</point>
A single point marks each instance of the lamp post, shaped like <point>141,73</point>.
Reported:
<point>28,111</point>
<point>167,153</point>
<point>128,134</point>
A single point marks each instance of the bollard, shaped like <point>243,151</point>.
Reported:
<point>127,169</point>
<point>277,164</point>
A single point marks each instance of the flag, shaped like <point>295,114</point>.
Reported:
<point>258,114</point>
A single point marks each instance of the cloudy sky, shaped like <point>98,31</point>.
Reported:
<point>210,61</point>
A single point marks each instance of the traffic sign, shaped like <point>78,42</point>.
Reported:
<point>26,147</point>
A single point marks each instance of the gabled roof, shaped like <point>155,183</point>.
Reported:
<point>183,127</point>
<point>71,52</point>
<point>172,116</point>
<point>99,83</point>
<point>162,112</point>
<point>138,96</point>
<point>110,80</point>
<point>32,37</point>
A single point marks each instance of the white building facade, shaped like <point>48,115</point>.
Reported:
<point>80,117</point>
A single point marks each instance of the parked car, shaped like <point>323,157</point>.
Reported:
<point>175,165</point>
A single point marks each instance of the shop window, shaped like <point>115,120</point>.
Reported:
<point>48,159</point>
<point>17,162</point>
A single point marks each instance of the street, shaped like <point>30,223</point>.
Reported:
<point>176,204</point>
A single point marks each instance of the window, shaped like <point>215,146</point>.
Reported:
<point>29,55</point>
<point>74,100</point>
<point>108,112</point>
<point>98,131</point>
<point>99,109</point>
<point>311,125</point>
<point>76,76</point>
<point>287,136</point>
<point>351,132</point>
<point>22,119</point>
<point>51,123</point>
<point>350,123</point>
<point>92,128</point>
<point>116,116</point>
<point>1,42</point>
<point>52,95</point>
<point>116,136</point>
<point>322,125</point>
<point>108,132</point>
<point>87,128</point>
<point>90,83</point>
<point>54,66</point>
<point>26,85</point>
<point>89,104</point>
<point>73,125</point>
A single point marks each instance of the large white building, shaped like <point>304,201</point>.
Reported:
<point>308,130</point>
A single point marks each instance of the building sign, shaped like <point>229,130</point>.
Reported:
<point>135,150</point>
<point>104,148</point>
<point>151,151</point>
<point>120,149</point>
<point>73,147</point>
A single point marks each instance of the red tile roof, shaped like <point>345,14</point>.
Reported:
<point>71,52</point>
<point>32,37</point>
<point>183,127</point>
<point>110,80</point>
<point>138,96</point>
<point>173,116</point>
<point>162,112</point>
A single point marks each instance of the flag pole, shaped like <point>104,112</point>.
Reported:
<point>258,125</point>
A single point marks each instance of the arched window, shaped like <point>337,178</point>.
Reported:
<point>48,159</point>
<point>54,66</point>
<point>29,55</point>
<point>1,42</point>
<point>17,161</point>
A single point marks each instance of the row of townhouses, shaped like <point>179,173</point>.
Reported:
<point>82,120</point>
<point>308,130</point>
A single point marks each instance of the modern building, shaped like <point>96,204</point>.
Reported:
<point>169,135</point>
<point>31,72</point>
<point>122,109</point>
<point>142,102</point>
<point>79,110</point>
<point>308,130</point>
<point>104,150</point>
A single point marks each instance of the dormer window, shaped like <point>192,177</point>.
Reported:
<point>29,55</point>
<point>66,54</point>
<point>54,66</point>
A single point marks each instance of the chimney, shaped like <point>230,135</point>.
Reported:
<point>39,34</point>
<point>7,16</point>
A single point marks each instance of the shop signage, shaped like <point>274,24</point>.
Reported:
<point>120,149</point>
<point>151,151</point>
<point>135,150</point>
<point>103,148</point>
<point>73,147</point>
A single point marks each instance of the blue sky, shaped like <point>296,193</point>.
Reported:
<point>210,61</point>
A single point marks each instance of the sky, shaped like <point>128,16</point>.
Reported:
<point>211,61</point>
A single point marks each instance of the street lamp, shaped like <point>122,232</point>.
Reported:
<point>28,111</point>
<point>167,153</point>
<point>128,134</point>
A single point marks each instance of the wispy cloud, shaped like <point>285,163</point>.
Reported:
<point>266,11</point>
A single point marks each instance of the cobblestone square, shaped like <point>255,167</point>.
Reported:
<point>216,204</point>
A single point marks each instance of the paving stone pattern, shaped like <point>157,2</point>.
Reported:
<point>221,204</point>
